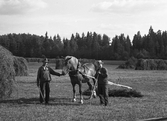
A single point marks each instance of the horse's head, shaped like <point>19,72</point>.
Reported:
<point>71,64</point>
<point>98,64</point>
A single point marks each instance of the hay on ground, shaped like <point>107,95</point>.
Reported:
<point>124,93</point>
<point>118,93</point>
<point>7,73</point>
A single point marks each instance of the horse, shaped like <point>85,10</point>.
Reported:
<point>80,74</point>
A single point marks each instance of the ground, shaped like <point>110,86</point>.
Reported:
<point>24,103</point>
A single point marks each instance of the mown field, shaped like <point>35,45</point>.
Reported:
<point>24,104</point>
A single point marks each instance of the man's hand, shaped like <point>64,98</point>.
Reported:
<point>62,74</point>
<point>99,72</point>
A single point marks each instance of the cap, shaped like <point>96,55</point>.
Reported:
<point>99,61</point>
<point>45,60</point>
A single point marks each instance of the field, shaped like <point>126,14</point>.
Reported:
<point>24,104</point>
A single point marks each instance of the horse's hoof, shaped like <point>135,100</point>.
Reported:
<point>74,100</point>
<point>94,94</point>
<point>81,101</point>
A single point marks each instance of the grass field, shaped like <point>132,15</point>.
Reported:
<point>24,104</point>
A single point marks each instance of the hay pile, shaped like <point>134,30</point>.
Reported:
<point>10,66</point>
<point>151,64</point>
<point>20,66</point>
<point>118,93</point>
<point>124,93</point>
<point>144,64</point>
<point>59,63</point>
<point>7,73</point>
<point>129,64</point>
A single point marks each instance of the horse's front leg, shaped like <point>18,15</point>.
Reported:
<point>80,92</point>
<point>74,93</point>
<point>93,88</point>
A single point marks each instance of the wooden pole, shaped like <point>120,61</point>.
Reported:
<point>155,119</point>
<point>120,85</point>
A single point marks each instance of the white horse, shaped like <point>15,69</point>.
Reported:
<point>80,74</point>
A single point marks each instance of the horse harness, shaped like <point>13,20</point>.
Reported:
<point>74,72</point>
<point>77,71</point>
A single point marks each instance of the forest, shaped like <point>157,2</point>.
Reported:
<point>90,45</point>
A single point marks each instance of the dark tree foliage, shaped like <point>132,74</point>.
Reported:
<point>90,45</point>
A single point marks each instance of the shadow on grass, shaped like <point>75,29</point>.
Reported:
<point>53,101</point>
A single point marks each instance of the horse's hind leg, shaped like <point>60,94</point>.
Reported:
<point>90,85</point>
<point>80,92</point>
<point>74,93</point>
<point>93,92</point>
<point>94,88</point>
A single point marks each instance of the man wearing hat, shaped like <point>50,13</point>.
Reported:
<point>102,77</point>
<point>43,80</point>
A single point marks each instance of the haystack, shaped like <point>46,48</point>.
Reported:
<point>129,64</point>
<point>59,63</point>
<point>7,73</point>
<point>20,66</point>
<point>124,93</point>
<point>151,64</point>
<point>118,93</point>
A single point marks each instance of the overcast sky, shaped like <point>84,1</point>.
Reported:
<point>64,17</point>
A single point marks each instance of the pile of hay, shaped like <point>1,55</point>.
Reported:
<point>129,64</point>
<point>10,66</point>
<point>124,93</point>
<point>144,64</point>
<point>59,63</point>
<point>20,66</point>
<point>151,64</point>
<point>7,73</point>
<point>118,93</point>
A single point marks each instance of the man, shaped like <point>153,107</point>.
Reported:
<point>102,77</point>
<point>43,80</point>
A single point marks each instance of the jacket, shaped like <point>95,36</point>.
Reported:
<point>102,76</point>
<point>44,74</point>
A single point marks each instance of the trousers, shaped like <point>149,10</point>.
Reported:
<point>103,93</point>
<point>45,92</point>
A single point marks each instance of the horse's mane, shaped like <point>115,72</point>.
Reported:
<point>74,61</point>
<point>77,64</point>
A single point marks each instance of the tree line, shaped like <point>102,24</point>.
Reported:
<point>90,45</point>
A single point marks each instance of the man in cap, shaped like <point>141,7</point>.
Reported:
<point>102,77</point>
<point>43,80</point>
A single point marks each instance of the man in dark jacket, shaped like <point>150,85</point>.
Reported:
<point>43,80</point>
<point>102,77</point>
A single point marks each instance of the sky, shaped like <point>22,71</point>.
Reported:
<point>67,17</point>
